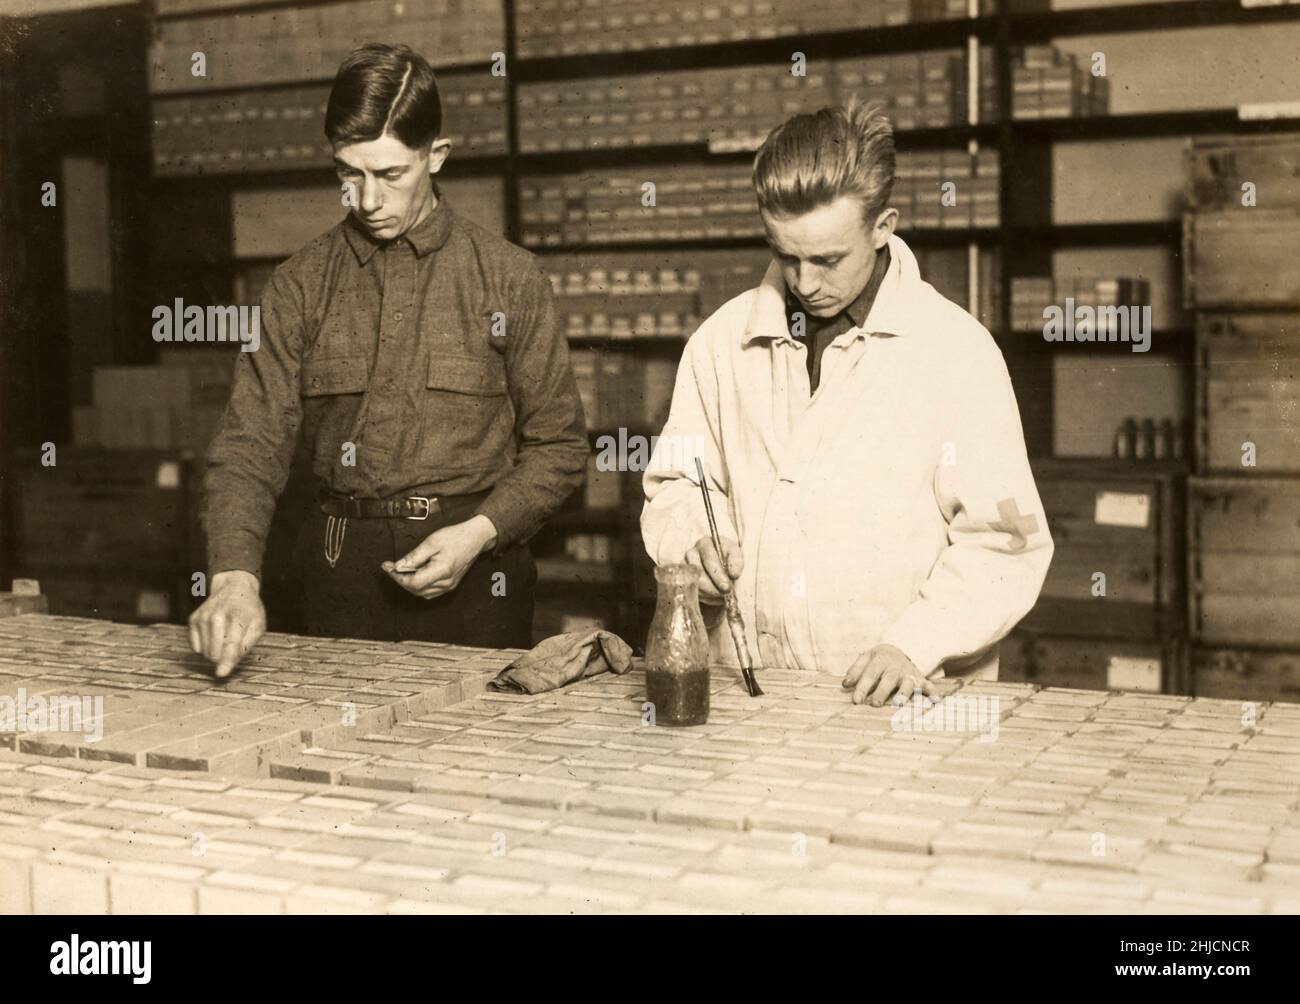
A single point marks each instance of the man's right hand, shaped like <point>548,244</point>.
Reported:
<point>719,569</point>
<point>230,621</point>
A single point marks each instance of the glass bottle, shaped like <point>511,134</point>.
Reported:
<point>677,650</point>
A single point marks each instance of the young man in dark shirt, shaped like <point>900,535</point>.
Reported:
<point>420,356</point>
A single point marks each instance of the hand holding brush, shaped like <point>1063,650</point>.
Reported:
<point>734,621</point>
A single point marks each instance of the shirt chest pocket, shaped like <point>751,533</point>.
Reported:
<point>467,375</point>
<point>322,377</point>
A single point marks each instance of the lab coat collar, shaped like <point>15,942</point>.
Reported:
<point>889,313</point>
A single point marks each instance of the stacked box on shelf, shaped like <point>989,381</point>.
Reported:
<point>1116,524</point>
<point>267,129</point>
<point>1244,538</point>
<point>946,188</point>
<point>917,90</point>
<point>109,533</point>
<point>661,294</point>
<point>287,44</point>
<point>1091,663</point>
<point>173,406</point>
<point>690,202</point>
<point>1241,260</point>
<point>1030,295</point>
<point>619,391</point>
<point>948,271</point>
<point>726,108</point>
<point>1046,83</point>
<point>574,27</point>
<point>1248,393</point>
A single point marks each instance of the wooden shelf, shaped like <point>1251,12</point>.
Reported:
<point>881,39</point>
<point>1045,25</point>
<point>1144,125</point>
<point>563,571</point>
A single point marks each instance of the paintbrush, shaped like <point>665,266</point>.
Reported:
<point>734,621</point>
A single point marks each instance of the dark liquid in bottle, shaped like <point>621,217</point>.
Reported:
<point>678,698</point>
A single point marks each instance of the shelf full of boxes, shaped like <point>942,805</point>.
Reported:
<point>1242,280</point>
<point>678,94</point>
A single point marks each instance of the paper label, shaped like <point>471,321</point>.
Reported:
<point>152,604</point>
<point>1123,509</point>
<point>1127,673</point>
<point>169,474</point>
<point>1269,110</point>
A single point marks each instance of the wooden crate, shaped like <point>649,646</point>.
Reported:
<point>1248,391</point>
<point>110,510</point>
<point>1124,522</point>
<point>1091,663</point>
<point>1244,561</point>
<point>1218,166</point>
<point>1242,258</point>
<point>1246,674</point>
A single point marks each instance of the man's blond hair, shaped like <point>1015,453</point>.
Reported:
<point>811,160</point>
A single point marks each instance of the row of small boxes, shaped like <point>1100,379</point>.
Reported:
<point>595,207</point>
<point>1030,295</point>
<point>622,298</point>
<point>717,201</point>
<point>589,547</point>
<point>575,27</point>
<point>726,108</point>
<point>916,90</point>
<point>1050,84</point>
<point>287,44</point>
<point>176,405</point>
<point>622,391</point>
<point>263,129</point>
<point>922,200</point>
<point>735,107</point>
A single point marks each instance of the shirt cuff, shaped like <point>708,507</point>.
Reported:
<point>235,552</point>
<point>511,516</point>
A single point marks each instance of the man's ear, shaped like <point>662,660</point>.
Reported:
<point>884,228</point>
<point>439,150</point>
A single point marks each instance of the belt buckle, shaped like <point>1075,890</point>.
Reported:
<point>428,506</point>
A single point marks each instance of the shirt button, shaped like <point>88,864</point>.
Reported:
<point>397,315</point>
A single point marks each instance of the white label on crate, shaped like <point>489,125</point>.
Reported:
<point>1269,110</point>
<point>26,587</point>
<point>1123,509</point>
<point>1127,673</point>
<point>152,604</point>
<point>169,474</point>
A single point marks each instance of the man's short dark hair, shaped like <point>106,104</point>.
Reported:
<point>384,89</point>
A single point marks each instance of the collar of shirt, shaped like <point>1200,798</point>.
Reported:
<point>889,312</point>
<point>428,235</point>
<point>856,313</point>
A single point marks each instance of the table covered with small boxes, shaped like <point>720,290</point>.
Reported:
<point>357,776</point>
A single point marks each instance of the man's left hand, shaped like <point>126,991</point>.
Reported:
<point>881,671</point>
<point>441,560</point>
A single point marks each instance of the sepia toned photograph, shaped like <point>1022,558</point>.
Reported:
<point>656,457</point>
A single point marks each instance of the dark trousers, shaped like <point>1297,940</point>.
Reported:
<point>357,599</point>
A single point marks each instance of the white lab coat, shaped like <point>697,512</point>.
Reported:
<point>896,506</point>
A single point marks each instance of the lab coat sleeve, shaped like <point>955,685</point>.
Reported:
<point>673,517</point>
<point>999,544</point>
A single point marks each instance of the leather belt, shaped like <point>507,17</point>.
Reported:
<point>410,507</point>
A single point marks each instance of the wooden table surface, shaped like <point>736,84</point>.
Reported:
<point>372,777</point>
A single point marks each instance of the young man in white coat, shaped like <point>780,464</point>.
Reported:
<point>860,439</point>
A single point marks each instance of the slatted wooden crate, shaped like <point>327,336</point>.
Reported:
<point>1246,674</point>
<point>1248,392</point>
<point>1241,258</point>
<point>1092,663</point>
<point>1219,166</point>
<point>1121,522</point>
<point>1244,557</point>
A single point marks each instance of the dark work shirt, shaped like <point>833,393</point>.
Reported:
<point>437,355</point>
<point>819,332</point>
